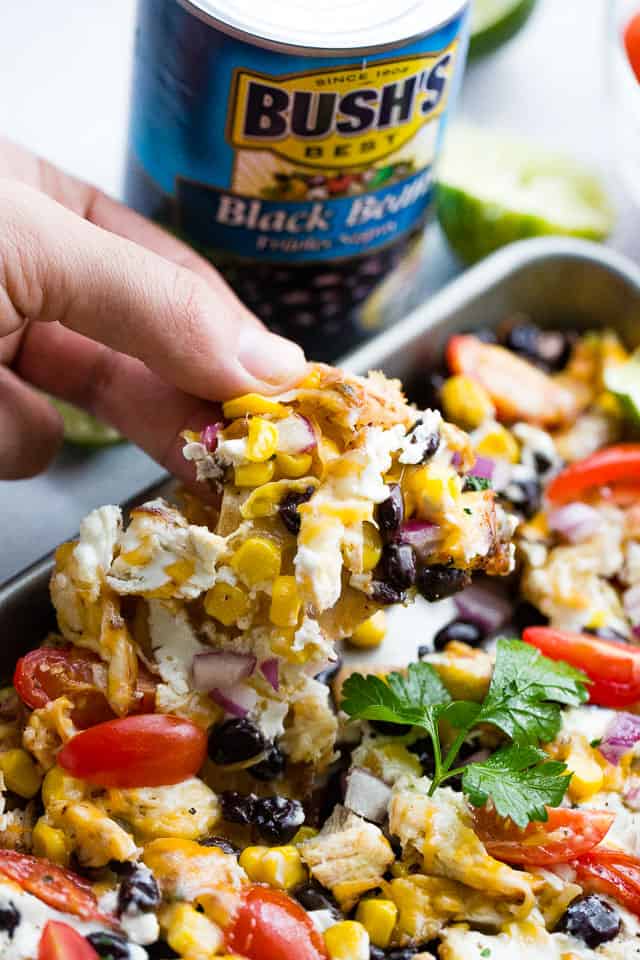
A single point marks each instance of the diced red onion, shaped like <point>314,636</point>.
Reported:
<point>483,467</point>
<point>271,671</point>
<point>237,701</point>
<point>209,436</point>
<point>366,795</point>
<point>631,602</point>
<point>421,535</point>
<point>620,736</point>
<point>456,459</point>
<point>575,521</point>
<point>296,435</point>
<point>485,604</point>
<point>631,794</point>
<point>221,669</point>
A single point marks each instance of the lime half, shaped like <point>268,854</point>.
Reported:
<point>83,429</point>
<point>623,380</point>
<point>493,22</point>
<point>494,189</point>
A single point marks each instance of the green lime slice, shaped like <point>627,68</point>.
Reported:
<point>623,380</point>
<point>493,22</point>
<point>494,189</point>
<point>83,429</point>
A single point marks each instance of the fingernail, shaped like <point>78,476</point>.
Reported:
<point>271,358</point>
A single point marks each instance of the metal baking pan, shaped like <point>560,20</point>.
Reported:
<point>553,281</point>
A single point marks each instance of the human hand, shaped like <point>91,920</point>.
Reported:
<point>102,308</point>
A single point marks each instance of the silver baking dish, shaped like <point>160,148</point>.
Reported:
<point>553,281</point>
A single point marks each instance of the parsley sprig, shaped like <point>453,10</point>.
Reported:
<point>524,702</point>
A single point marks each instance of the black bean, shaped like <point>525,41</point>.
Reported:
<point>277,819</point>
<point>386,594</point>
<point>9,918</point>
<point>431,443</point>
<point>486,334</point>
<point>327,675</point>
<point>547,348</point>
<point>461,630</point>
<point>138,892</point>
<point>222,843</point>
<point>424,649</point>
<point>399,565</point>
<point>391,510</point>
<point>423,749</point>
<point>111,946</point>
<point>522,339</point>
<point>437,582</point>
<point>234,741</point>
<point>312,897</point>
<point>238,807</point>
<point>541,461</point>
<point>388,728</point>
<point>525,495</point>
<point>288,508</point>
<point>160,951</point>
<point>526,615</point>
<point>592,920</point>
<point>271,767</point>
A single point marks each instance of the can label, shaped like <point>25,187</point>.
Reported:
<point>285,158</point>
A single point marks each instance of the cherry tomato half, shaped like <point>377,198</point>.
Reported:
<point>271,924</point>
<point>611,872</point>
<point>632,43</point>
<point>564,836</point>
<point>58,888</point>
<point>59,941</point>
<point>617,464</point>
<point>518,390</point>
<point>613,668</point>
<point>47,673</point>
<point>149,750</point>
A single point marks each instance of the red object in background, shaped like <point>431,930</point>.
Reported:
<point>613,668</point>
<point>612,872</point>
<point>270,924</point>
<point>632,44</point>
<point>619,464</point>
<point>48,673</point>
<point>59,941</point>
<point>149,750</point>
<point>61,889</point>
<point>565,835</point>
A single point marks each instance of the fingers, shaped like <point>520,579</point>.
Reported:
<point>30,429</point>
<point>191,331</point>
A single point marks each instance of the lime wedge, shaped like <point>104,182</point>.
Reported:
<point>493,22</point>
<point>494,189</point>
<point>83,429</point>
<point>623,380</point>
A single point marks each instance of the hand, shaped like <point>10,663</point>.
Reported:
<point>100,307</point>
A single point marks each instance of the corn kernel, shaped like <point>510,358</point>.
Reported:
<point>285,602</point>
<point>347,940</point>
<point>253,403</point>
<point>370,633</point>
<point>191,934</point>
<point>294,464</point>
<point>262,440</point>
<point>586,773</point>
<point>378,917</point>
<point>226,603</point>
<point>597,619</point>
<point>253,474</point>
<point>51,843</point>
<point>371,547</point>
<point>180,571</point>
<point>466,402</point>
<point>280,867</point>
<point>498,443</point>
<point>21,775</point>
<point>257,560</point>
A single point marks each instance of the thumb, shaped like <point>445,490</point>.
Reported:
<point>55,266</point>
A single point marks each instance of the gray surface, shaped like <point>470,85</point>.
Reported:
<point>64,79</point>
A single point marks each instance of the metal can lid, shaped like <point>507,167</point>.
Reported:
<point>327,26</point>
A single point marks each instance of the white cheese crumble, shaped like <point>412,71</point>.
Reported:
<point>174,644</point>
<point>414,444</point>
<point>93,554</point>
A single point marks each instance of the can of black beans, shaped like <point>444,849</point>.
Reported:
<point>293,143</point>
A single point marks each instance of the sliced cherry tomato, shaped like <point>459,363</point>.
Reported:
<point>611,872</point>
<point>47,673</point>
<point>270,924</point>
<point>564,836</point>
<point>613,668</point>
<point>518,390</point>
<point>617,464</point>
<point>632,43</point>
<point>150,750</point>
<point>58,888</point>
<point>59,941</point>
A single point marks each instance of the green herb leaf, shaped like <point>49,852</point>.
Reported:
<point>526,690</point>
<point>476,483</point>
<point>521,782</point>
<point>410,699</point>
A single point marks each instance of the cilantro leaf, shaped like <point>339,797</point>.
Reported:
<point>526,690</point>
<point>472,482</point>
<point>521,782</point>
<point>416,699</point>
